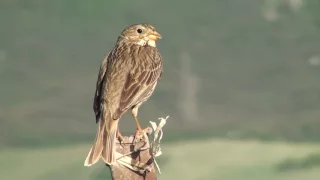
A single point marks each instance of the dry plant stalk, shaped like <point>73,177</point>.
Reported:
<point>136,155</point>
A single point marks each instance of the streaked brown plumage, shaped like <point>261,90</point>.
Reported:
<point>127,78</point>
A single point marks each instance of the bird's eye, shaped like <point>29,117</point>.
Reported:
<point>139,31</point>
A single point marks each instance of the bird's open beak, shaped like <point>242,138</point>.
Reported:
<point>154,35</point>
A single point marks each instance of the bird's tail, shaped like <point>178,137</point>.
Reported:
<point>105,143</point>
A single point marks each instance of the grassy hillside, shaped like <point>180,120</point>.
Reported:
<point>207,160</point>
<point>238,70</point>
<point>228,68</point>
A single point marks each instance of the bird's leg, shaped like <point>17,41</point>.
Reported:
<point>134,112</point>
<point>139,131</point>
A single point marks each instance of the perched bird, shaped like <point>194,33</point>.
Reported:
<point>127,78</point>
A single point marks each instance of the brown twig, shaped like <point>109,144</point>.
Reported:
<point>134,161</point>
<point>136,155</point>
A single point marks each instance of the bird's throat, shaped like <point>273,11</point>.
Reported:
<point>152,43</point>
<point>144,42</point>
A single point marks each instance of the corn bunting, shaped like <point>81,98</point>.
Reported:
<point>127,78</point>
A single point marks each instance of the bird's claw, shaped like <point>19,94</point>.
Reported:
<point>139,133</point>
<point>120,138</point>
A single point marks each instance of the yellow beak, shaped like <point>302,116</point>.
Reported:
<point>154,35</point>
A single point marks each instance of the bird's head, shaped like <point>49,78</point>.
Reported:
<point>141,34</point>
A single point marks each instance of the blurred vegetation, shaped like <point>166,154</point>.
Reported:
<point>201,159</point>
<point>233,69</point>
<point>255,64</point>
<point>291,164</point>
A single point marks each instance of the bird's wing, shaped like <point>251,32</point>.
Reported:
<point>97,95</point>
<point>137,86</point>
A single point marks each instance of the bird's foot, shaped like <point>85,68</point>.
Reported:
<point>139,133</point>
<point>120,137</point>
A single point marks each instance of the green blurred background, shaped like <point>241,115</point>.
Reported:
<point>241,84</point>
